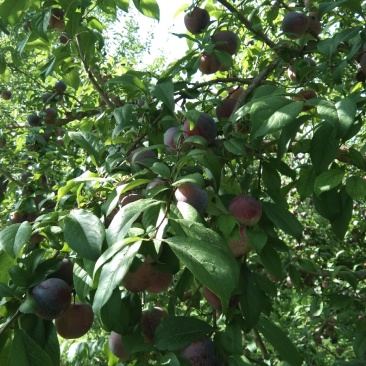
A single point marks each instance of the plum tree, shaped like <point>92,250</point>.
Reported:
<point>308,63</point>
<point>33,119</point>
<point>295,24</point>
<point>209,64</point>
<point>129,198</point>
<point>315,26</point>
<point>215,301</point>
<point>60,86</point>
<point>169,137</point>
<point>49,116</point>
<point>304,95</point>
<point>201,353</point>
<point>205,127</point>
<point>225,108</point>
<point>139,155</point>
<point>47,97</point>
<point>226,40</point>
<point>238,243</point>
<point>197,20</point>
<point>64,271</point>
<point>192,194</point>
<point>63,38</point>
<point>117,347</point>
<point>246,209</point>
<point>161,282</point>
<point>53,297</point>
<point>141,279</point>
<point>6,94</point>
<point>150,320</point>
<point>75,322</point>
<point>57,19</point>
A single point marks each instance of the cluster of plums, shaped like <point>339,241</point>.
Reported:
<point>196,21</point>
<point>53,298</point>
<point>48,115</point>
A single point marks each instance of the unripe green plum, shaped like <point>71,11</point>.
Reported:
<point>193,195</point>
<point>117,347</point>
<point>197,20</point>
<point>75,321</point>
<point>150,320</point>
<point>227,41</point>
<point>53,297</point>
<point>295,24</point>
<point>205,127</point>
<point>246,209</point>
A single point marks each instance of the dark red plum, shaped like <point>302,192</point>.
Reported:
<point>53,297</point>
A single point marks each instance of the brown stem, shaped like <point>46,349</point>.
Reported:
<point>263,74</point>
<point>137,141</point>
<point>259,342</point>
<point>247,23</point>
<point>10,322</point>
<point>7,175</point>
<point>91,77</point>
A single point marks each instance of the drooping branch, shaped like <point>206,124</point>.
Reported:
<point>8,176</point>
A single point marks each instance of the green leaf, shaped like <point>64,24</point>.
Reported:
<point>84,233</point>
<point>346,112</point>
<point>356,187</point>
<point>210,261</point>
<point>271,260</point>
<point>12,11</point>
<point>323,147</point>
<point>124,117</point>
<point>26,352</point>
<point>270,114</point>
<point>149,8</point>
<point>235,146</point>
<point>281,343</point>
<point>283,219</point>
<point>123,4</point>
<point>6,262</point>
<point>178,332</point>
<point>125,217</point>
<point>256,239</point>
<point>112,274</point>
<point>359,345</point>
<point>14,237</point>
<point>91,144</point>
<point>328,180</point>
<point>251,300</point>
<point>130,83</point>
<point>231,338</point>
<point>305,183</point>
<point>164,91</point>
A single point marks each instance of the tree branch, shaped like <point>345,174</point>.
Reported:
<point>91,77</point>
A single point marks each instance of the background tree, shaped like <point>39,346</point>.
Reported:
<point>207,212</point>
